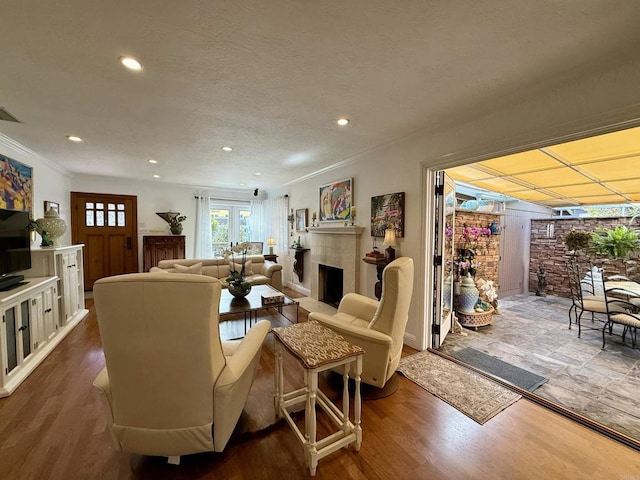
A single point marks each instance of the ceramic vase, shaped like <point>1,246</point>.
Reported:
<point>53,225</point>
<point>468,295</point>
<point>176,229</point>
<point>447,292</point>
<point>239,289</point>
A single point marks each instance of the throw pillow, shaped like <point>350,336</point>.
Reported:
<point>196,268</point>
<point>248,270</point>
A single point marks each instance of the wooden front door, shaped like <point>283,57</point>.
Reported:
<point>107,226</point>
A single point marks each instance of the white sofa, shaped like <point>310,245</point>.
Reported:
<point>258,270</point>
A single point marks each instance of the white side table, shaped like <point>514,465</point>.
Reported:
<point>318,348</point>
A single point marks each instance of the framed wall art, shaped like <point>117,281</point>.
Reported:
<point>387,211</point>
<point>54,205</point>
<point>16,185</point>
<point>336,200</point>
<point>302,215</point>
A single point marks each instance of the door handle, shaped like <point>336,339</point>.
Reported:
<point>128,243</point>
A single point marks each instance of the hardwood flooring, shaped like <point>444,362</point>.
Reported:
<point>53,427</point>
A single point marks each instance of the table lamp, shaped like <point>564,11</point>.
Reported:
<point>271,242</point>
<point>390,242</point>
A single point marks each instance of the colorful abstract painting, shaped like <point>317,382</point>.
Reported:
<point>335,200</point>
<point>16,186</point>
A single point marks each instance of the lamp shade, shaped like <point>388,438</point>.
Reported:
<point>271,241</point>
<point>389,238</point>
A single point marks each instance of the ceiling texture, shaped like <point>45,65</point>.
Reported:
<point>270,79</point>
<point>593,171</point>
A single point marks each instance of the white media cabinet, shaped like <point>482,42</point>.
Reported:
<point>40,312</point>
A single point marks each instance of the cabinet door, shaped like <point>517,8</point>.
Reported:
<point>37,321</point>
<point>69,273</point>
<point>11,338</point>
<point>49,317</point>
<point>25,329</point>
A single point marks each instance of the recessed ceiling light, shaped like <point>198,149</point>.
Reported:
<point>156,176</point>
<point>257,174</point>
<point>131,63</point>
<point>153,161</point>
<point>227,149</point>
<point>343,121</point>
<point>73,138</point>
<point>242,184</point>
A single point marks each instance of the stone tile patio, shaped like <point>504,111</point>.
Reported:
<point>532,333</point>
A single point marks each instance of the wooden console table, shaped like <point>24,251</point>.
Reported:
<point>380,263</point>
<point>298,262</point>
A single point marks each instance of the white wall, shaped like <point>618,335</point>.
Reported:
<point>156,197</point>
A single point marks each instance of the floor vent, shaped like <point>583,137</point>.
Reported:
<point>4,115</point>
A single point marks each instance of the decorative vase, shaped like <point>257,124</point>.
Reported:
<point>53,225</point>
<point>447,292</point>
<point>239,289</point>
<point>176,229</point>
<point>495,228</point>
<point>468,295</point>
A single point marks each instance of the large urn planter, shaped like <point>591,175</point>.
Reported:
<point>468,295</point>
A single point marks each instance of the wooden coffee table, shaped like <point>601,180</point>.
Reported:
<point>250,305</point>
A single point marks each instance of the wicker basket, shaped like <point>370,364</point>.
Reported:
<point>475,319</point>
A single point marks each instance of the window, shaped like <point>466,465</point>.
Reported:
<point>229,225</point>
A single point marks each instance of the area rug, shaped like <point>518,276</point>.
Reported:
<point>515,375</point>
<point>474,395</point>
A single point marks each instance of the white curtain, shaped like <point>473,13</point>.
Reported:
<point>269,219</point>
<point>203,247</point>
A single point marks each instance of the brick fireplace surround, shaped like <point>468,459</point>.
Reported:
<point>337,247</point>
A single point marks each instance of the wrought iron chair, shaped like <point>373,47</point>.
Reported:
<point>583,296</point>
<point>623,308</point>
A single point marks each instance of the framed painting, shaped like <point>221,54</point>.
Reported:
<point>302,216</point>
<point>54,205</point>
<point>336,200</point>
<point>387,211</point>
<point>16,185</point>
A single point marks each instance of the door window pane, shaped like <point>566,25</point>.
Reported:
<point>111,206</point>
<point>89,220</point>
<point>111,219</point>
<point>100,218</point>
<point>121,219</point>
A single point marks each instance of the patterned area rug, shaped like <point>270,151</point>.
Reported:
<point>474,395</point>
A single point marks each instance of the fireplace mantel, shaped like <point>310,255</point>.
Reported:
<point>339,247</point>
<point>350,230</point>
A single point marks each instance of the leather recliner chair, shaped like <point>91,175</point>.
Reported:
<point>171,387</point>
<point>377,327</point>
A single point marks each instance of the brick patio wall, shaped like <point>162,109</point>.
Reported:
<point>488,253</point>
<point>551,254</point>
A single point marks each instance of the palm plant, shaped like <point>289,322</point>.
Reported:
<point>618,242</point>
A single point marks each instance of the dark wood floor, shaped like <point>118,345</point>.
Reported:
<point>52,427</point>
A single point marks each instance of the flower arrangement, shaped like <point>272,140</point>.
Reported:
<point>467,246</point>
<point>238,286</point>
<point>488,295</point>
<point>46,241</point>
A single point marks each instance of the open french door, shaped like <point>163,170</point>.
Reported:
<point>445,207</point>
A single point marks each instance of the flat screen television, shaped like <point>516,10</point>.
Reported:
<point>15,246</point>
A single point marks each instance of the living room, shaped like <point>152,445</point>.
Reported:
<point>583,91</point>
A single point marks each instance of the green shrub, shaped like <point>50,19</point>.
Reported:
<point>618,242</point>
<point>576,240</point>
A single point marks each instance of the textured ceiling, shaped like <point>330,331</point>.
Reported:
<point>271,77</point>
<point>593,171</point>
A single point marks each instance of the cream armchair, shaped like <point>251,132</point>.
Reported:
<point>378,327</point>
<point>170,386</point>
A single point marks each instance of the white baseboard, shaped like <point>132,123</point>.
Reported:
<point>299,288</point>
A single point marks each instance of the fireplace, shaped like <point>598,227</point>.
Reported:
<point>337,247</point>
<point>330,284</point>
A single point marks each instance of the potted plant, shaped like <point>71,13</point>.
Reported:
<point>577,241</point>
<point>618,242</point>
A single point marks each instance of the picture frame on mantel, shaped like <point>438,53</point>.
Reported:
<point>387,211</point>
<point>302,217</point>
<point>54,205</point>
<point>336,200</point>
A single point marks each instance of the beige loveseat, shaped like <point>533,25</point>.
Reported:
<point>258,271</point>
